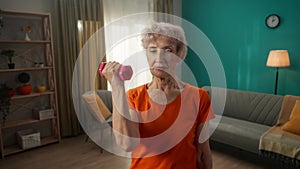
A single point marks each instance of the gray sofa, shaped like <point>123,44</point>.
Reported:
<point>244,118</point>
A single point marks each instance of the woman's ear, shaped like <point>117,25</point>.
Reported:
<point>182,52</point>
<point>178,60</point>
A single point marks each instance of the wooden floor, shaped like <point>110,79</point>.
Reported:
<point>75,153</point>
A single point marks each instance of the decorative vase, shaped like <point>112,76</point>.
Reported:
<point>11,92</point>
<point>27,36</point>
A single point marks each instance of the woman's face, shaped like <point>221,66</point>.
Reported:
<point>162,57</point>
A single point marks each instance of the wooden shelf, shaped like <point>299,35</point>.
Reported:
<point>31,95</point>
<point>25,69</point>
<point>24,41</point>
<point>18,13</point>
<point>15,123</point>
<point>16,149</point>
<point>38,49</point>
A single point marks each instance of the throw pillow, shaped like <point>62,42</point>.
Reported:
<point>292,126</point>
<point>287,106</point>
<point>296,110</point>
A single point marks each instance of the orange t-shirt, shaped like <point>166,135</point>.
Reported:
<point>167,132</point>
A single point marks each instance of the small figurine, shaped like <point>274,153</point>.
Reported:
<point>27,29</point>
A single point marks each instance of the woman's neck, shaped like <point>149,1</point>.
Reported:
<point>169,86</point>
<point>164,84</point>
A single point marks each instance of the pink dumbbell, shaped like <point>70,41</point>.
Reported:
<point>125,72</point>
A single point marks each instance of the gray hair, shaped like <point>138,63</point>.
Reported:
<point>174,33</point>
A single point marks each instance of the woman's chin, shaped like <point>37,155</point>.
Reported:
<point>159,73</point>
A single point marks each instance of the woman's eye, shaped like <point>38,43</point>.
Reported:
<point>152,50</point>
<point>168,51</point>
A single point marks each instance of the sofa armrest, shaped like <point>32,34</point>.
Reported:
<point>286,109</point>
<point>97,105</point>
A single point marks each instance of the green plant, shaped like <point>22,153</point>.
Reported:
<point>9,53</point>
<point>4,101</point>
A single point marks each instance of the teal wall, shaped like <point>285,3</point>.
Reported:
<point>238,32</point>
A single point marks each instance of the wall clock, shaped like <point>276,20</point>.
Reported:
<point>272,21</point>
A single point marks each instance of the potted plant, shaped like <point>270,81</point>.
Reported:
<point>9,53</point>
<point>5,94</point>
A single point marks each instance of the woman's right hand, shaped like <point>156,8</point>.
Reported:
<point>111,73</point>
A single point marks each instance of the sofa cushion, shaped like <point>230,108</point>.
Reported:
<point>238,133</point>
<point>106,97</point>
<point>249,106</point>
<point>279,141</point>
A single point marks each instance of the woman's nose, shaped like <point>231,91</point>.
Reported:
<point>160,54</point>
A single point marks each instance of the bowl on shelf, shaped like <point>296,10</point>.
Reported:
<point>41,88</point>
<point>25,89</point>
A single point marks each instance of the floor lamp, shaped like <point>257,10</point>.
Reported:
<point>277,59</point>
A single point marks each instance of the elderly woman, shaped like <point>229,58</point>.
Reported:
<point>162,122</point>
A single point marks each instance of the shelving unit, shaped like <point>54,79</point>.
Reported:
<point>23,108</point>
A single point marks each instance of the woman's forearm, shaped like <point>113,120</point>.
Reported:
<point>205,161</point>
<point>125,122</point>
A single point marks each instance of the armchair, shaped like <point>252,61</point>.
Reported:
<point>99,103</point>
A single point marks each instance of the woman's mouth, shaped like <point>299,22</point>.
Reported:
<point>159,68</point>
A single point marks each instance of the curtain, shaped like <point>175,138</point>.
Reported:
<point>163,7</point>
<point>124,20</point>
<point>80,46</point>
<point>78,20</point>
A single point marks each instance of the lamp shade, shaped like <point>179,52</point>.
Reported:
<point>278,58</point>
